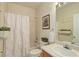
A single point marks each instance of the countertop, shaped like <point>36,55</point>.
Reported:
<point>50,49</point>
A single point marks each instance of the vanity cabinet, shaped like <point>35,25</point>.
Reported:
<point>45,54</point>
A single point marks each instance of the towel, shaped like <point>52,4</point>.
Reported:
<point>51,37</point>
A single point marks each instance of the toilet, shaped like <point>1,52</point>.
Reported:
<point>36,51</point>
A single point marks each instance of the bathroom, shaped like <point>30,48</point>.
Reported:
<point>38,29</point>
<point>13,10</point>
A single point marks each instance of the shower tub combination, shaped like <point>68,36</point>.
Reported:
<point>16,41</point>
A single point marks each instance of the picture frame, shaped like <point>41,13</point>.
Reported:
<point>46,22</point>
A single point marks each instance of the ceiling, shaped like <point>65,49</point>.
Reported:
<point>29,4</point>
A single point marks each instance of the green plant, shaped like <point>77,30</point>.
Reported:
<point>4,28</point>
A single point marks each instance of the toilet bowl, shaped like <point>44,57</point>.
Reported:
<point>35,52</point>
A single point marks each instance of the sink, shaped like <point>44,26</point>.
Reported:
<point>61,51</point>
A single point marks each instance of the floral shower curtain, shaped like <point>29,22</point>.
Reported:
<point>17,42</point>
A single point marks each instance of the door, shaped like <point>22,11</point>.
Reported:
<point>76,28</point>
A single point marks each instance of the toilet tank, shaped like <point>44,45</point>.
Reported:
<point>44,41</point>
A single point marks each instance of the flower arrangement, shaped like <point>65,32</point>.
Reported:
<point>4,28</point>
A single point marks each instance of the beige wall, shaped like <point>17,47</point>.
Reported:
<point>35,18</point>
<point>44,9</point>
<point>65,19</point>
<point>24,11</point>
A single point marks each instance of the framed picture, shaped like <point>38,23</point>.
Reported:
<point>46,22</point>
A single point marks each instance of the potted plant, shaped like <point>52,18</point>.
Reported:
<point>3,31</point>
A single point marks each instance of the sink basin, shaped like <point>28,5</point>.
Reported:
<point>61,51</point>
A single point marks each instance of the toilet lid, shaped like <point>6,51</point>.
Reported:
<point>36,51</point>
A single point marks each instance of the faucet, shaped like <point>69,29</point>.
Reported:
<point>66,46</point>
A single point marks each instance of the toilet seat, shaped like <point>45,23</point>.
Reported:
<point>36,52</point>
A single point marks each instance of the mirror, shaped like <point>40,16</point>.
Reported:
<point>67,20</point>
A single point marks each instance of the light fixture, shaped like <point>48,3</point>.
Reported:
<point>59,4</point>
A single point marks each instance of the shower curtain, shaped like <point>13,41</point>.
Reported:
<point>17,42</point>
